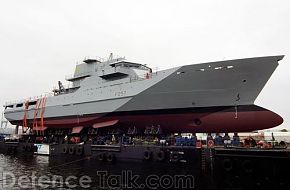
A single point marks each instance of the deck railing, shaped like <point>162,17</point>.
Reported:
<point>32,98</point>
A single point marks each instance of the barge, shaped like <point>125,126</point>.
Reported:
<point>215,167</point>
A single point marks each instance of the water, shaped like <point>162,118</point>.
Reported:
<point>42,172</point>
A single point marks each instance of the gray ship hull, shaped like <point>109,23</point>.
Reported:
<point>208,97</point>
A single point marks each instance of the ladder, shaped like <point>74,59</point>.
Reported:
<point>39,111</point>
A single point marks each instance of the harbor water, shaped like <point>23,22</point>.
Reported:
<point>42,172</point>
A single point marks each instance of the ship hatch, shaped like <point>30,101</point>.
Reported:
<point>105,124</point>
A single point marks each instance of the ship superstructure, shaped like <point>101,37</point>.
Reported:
<point>208,97</point>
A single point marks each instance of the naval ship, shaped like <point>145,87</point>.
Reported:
<point>207,97</point>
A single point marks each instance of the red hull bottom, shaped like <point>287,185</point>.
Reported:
<point>209,122</point>
<point>226,119</point>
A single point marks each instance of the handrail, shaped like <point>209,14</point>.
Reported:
<point>34,98</point>
<point>103,60</point>
<point>100,59</point>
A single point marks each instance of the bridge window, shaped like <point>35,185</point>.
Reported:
<point>19,105</point>
<point>32,103</point>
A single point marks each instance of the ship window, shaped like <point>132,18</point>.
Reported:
<point>217,68</point>
<point>9,107</point>
<point>32,103</point>
<point>19,105</point>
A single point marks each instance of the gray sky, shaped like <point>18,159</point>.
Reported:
<point>40,41</point>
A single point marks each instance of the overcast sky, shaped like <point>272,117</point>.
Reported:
<point>41,41</point>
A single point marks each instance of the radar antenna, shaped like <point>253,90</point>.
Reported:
<point>110,57</point>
